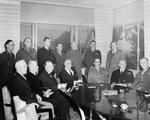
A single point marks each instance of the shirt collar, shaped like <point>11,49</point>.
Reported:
<point>69,70</point>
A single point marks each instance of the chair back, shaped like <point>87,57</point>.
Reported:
<point>7,100</point>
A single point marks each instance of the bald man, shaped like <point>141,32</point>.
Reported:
<point>20,86</point>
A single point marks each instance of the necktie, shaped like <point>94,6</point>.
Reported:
<point>70,73</point>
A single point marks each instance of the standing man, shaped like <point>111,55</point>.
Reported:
<point>45,54</point>
<point>60,57</point>
<point>27,52</point>
<point>75,56</point>
<point>113,58</point>
<point>6,70</point>
<point>7,63</point>
<point>90,55</point>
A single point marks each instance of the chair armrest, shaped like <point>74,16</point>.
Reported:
<point>19,104</point>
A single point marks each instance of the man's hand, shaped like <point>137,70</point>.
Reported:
<point>80,81</point>
<point>62,86</point>
<point>47,93</point>
<point>112,85</point>
<point>147,95</point>
<point>75,83</point>
<point>38,97</point>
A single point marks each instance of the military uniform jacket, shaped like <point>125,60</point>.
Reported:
<point>90,56</point>
<point>142,81</point>
<point>122,77</point>
<point>44,55</point>
<point>95,76</point>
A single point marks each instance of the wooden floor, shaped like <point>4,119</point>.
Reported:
<point>131,114</point>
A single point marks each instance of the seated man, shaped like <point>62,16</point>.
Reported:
<point>20,86</point>
<point>97,74</point>
<point>122,77</point>
<point>35,83</point>
<point>121,80</point>
<point>142,79</point>
<point>69,76</point>
<point>53,94</point>
<point>142,83</point>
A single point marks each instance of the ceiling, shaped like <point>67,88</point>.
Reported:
<point>107,4</point>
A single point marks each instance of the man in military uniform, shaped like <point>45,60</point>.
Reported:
<point>122,76</point>
<point>90,55</point>
<point>97,74</point>
<point>45,54</point>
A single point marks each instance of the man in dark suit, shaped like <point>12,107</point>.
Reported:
<point>49,82</point>
<point>45,54</point>
<point>122,75</point>
<point>69,76</point>
<point>36,85</point>
<point>90,55</point>
<point>60,57</point>
<point>20,86</point>
<point>6,70</point>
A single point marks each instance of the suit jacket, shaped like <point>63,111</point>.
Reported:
<point>35,83</point>
<point>65,77</point>
<point>90,56</point>
<point>26,55</point>
<point>59,62</point>
<point>142,81</point>
<point>113,61</point>
<point>48,81</point>
<point>21,87</point>
<point>75,57</point>
<point>7,68</point>
<point>44,55</point>
<point>125,77</point>
<point>95,76</point>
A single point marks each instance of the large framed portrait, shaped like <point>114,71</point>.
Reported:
<point>130,39</point>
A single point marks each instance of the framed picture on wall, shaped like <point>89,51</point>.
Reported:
<point>130,39</point>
